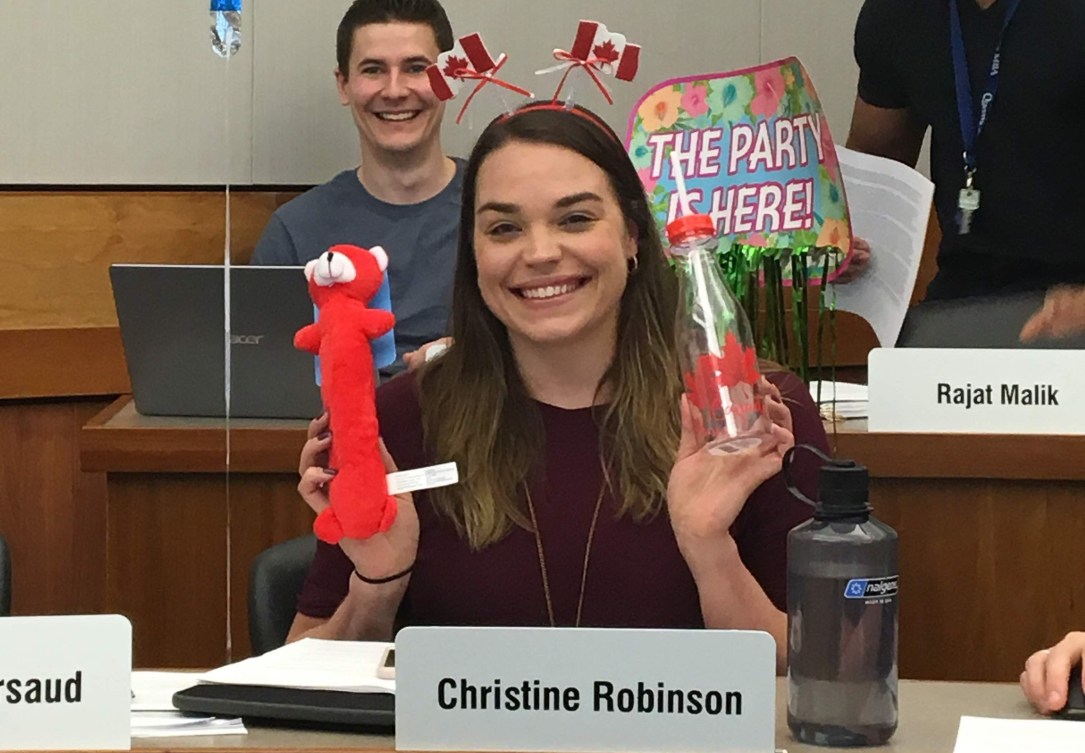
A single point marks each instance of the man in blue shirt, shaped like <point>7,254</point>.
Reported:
<point>405,195</point>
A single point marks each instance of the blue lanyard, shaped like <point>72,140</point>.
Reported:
<point>970,129</point>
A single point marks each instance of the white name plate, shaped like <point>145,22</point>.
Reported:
<point>65,683</point>
<point>546,689</point>
<point>955,390</point>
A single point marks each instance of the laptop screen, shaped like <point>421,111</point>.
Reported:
<point>978,322</point>
<point>173,329</point>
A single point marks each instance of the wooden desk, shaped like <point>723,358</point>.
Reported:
<point>992,557</point>
<point>929,715</point>
<point>183,526</point>
<point>992,561</point>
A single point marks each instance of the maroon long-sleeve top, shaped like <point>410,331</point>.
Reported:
<point>636,576</point>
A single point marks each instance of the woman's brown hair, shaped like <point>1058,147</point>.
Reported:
<point>475,407</point>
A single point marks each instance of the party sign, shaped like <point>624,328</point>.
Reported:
<point>754,151</point>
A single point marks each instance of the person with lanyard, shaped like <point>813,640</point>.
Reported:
<point>405,195</point>
<point>1001,86</point>
<point>584,498</point>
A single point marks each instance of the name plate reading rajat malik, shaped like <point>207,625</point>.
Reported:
<point>65,683</point>
<point>951,390</point>
<point>580,689</point>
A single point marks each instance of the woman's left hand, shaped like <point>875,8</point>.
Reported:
<point>706,491</point>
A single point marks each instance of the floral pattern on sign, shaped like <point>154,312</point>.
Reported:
<point>756,154</point>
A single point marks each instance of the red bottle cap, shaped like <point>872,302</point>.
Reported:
<point>690,226</point>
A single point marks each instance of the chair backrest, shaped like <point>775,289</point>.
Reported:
<point>275,580</point>
<point>5,579</point>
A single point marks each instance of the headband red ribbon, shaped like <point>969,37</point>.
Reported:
<point>597,50</point>
<point>467,60</point>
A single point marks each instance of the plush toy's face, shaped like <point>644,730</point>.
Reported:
<point>346,270</point>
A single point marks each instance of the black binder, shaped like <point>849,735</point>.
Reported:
<point>372,712</point>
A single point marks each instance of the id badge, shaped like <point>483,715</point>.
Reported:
<point>968,200</point>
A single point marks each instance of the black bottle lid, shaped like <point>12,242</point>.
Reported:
<point>843,491</point>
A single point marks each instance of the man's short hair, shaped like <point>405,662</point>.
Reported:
<point>364,12</point>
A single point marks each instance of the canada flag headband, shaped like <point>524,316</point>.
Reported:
<point>595,49</point>
<point>467,60</point>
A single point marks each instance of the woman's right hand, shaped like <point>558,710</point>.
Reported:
<point>382,554</point>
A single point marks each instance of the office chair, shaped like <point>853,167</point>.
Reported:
<point>275,580</point>
<point>5,579</point>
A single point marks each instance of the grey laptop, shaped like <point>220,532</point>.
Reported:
<point>977,322</point>
<point>173,328</point>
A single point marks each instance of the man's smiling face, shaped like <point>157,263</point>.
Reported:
<point>387,89</point>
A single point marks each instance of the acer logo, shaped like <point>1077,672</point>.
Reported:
<point>246,339</point>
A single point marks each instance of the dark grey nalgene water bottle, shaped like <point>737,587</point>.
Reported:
<point>842,617</point>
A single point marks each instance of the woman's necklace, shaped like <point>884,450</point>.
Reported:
<point>587,553</point>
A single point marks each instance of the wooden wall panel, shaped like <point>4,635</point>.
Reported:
<point>169,531</point>
<point>56,247</point>
<point>51,513</point>
<point>58,332</point>
<point>990,572</point>
<point>62,362</point>
<point>168,557</point>
<point>1039,457</point>
<point>265,509</point>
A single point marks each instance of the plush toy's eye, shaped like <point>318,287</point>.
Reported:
<point>380,256</point>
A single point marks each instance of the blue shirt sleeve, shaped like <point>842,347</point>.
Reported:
<point>275,247</point>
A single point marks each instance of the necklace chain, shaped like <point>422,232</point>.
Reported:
<point>587,553</point>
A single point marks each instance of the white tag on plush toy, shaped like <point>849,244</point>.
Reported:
<point>430,477</point>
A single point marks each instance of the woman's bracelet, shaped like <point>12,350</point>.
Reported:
<point>387,579</point>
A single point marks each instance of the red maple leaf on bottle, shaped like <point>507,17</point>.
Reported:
<point>605,52</point>
<point>455,67</point>
<point>712,374</point>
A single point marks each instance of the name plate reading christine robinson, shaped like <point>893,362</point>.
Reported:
<point>576,689</point>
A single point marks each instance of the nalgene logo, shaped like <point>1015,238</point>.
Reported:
<point>871,588</point>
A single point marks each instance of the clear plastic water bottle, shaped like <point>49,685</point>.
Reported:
<point>225,27</point>
<point>842,617</point>
<point>715,345</point>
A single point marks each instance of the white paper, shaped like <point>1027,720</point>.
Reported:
<point>841,400</point>
<point>841,392</point>
<point>311,664</point>
<point>982,735</point>
<point>890,205</point>
<point>176,724</point>
<point>153,691</point>
<point>154,715</point>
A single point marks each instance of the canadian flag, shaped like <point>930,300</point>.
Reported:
<point>595,42</point>
<point>469,55</point>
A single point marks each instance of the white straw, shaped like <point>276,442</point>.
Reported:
<point>680,183</point>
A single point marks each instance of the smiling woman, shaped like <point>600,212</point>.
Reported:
<point>552,249</point>
<point>584,497</point>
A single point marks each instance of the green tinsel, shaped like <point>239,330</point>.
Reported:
<point>760,278</point>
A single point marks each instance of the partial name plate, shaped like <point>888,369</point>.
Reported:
<point>977,391</point>
<point>590,690</point>
<point>65,683</point>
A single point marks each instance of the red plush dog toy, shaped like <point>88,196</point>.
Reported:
<point>342,281</point>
